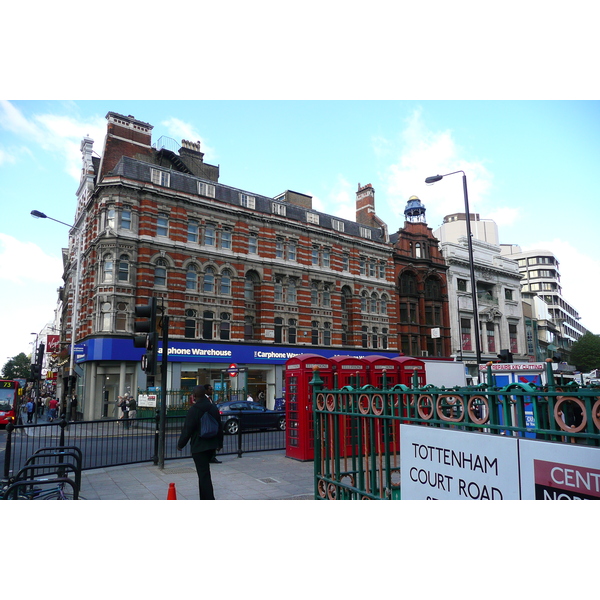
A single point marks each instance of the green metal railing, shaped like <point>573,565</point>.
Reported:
<point>357,430</point>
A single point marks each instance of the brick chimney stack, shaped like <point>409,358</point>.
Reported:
<point>125,136</point>
<point>365,205</point>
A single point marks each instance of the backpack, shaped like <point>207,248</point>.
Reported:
<point>209,427</point>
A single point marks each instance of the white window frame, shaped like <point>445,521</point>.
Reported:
<point>165,216</point>
<point>226,239</point>
<point>312,217</point>
<point>206,189</point>
<point>337,225</point>
<point>253,245</point>
<point>365,233</point>
<point>278,209</point>
<point>247,201</point>
<point>160,177</point>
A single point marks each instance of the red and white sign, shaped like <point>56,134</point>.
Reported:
<point>52,344</point>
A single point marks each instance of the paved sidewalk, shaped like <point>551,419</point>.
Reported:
<point>255,476</point>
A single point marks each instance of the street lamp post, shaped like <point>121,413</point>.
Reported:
<point>40,215</point>
<point>433,179</point>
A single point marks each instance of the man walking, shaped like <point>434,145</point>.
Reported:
<point>202,448</point>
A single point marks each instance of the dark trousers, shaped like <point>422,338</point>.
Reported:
<point>201,460</point>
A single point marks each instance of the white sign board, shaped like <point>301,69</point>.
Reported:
<point>147,400</point>
<point>443,464</point>
<point>552,471</point>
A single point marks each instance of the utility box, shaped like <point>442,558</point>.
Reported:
<point>300,431</point>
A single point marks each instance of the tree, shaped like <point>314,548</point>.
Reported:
<point>18,366</point>
<point>585,352</point>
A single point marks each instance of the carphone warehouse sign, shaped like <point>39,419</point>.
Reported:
<point>438,464</point>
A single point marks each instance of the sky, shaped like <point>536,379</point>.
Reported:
<point>529,167</point>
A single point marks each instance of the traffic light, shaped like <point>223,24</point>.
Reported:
<point>36,367</point>
<point>505,356</point>
<point>146,336</point>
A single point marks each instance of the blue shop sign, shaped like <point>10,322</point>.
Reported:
<point>122,349</point>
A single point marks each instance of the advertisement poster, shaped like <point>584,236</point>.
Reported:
<point>443,464</point>
<point>552,471</point>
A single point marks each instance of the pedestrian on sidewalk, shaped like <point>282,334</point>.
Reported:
<point>124,406</point>
<point>202,448</point>
<point>30,407</point>
<point>52,406</point>
<point>132,411</point>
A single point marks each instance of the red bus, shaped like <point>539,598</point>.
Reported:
<point>10,390</point>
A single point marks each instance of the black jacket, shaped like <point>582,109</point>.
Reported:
<point>191,426</point>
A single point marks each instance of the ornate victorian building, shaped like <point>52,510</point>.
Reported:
<point>422,292</point>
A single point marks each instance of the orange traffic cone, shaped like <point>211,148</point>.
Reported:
<point>172,494</point>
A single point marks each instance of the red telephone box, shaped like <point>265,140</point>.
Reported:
<point>350,371</point>
<point>377,366</point>
<point>407,366</point>
<point>300,432</point>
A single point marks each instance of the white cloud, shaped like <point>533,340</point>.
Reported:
<point>504,216</point>
<point>419,153</point>
<point>578,278</point>
<point>180,130</point>
<point>22,262</point>
<point>59,135</point>
<point>30,279</point>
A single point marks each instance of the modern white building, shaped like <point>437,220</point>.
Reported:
<point>498,281</point>
<point>541,281</point>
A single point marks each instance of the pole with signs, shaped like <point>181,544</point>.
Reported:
<point>163,391</point>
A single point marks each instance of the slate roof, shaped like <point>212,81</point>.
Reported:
<point>182,182</point>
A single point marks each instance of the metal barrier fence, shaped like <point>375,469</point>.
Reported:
<point>357,430</point>
<point>113,442</point>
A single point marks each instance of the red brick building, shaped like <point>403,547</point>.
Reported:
<point>245,279</point>
<point>422,292</point>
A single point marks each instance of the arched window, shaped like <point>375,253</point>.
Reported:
<point>191,320</point>
<point>160,272</point>
<point>208,282</point>
<point>383,304</point>
<point>374,303</point>
<point>123,268</point>
<point>225,326</point>
<point>433,289</point>
<point>292,323</point>
<point>326,334</point>
<point>121,317</point>
<point>346,299</point>
<point>278,330</point>
<point>191,278</point>
<point>226,283</point>
<point>363,301</point>
<point>408,284</point>
<point>327,296</point>
<point>418,251</point>
<point>107,268</point>
<point>249,286</point>
<point>278,290</point>
<point>314,293</point>
<point>291,291</point>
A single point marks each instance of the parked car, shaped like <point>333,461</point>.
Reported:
<point>250,415</point>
